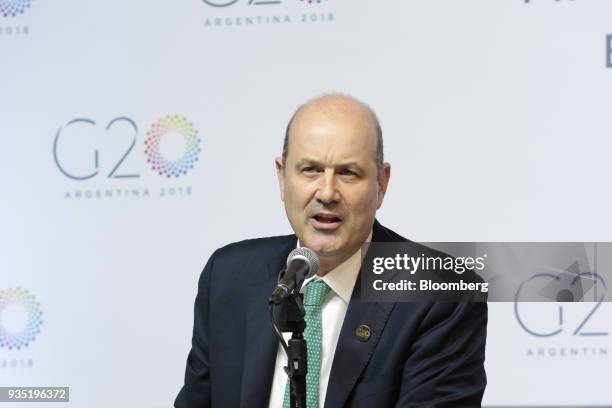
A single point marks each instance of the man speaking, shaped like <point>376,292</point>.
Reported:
<point>332,180</point>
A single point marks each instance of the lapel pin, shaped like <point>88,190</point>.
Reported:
<point>363,332</point>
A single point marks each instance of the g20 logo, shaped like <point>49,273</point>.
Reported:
<point>556,321</point>
<point>27,327</point>
<point>89,160</point>
<point>13,8</point>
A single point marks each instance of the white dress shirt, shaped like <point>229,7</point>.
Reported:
<point>341,280</point>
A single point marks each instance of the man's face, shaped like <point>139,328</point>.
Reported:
<point>330,184</point>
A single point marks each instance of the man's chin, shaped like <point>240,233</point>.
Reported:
<point>323,246</point>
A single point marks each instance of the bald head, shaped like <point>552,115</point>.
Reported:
<point>338,106</point>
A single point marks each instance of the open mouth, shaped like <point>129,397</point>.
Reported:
<point>327,222</point>
<point>327,218</point>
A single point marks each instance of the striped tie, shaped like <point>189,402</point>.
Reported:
<point>315,293</point>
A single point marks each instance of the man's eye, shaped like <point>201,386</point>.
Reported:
<point>309,170</point>
<point>347,172</point>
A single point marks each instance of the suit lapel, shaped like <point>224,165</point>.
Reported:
<point>261,345</point>
<point>352,354</point>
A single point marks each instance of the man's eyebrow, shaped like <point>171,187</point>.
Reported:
<point>308,161</point>
<point>348,164</point>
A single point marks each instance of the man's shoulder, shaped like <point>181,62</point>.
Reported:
<point>381,233</point>
<point>258,244</point>
<point>256,250</point>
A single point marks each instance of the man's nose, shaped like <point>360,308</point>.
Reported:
<point>327,192</point>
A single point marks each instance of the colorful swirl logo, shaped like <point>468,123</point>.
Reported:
<point>172,124</point>
<point>13,8</point>
<point>20,298</point>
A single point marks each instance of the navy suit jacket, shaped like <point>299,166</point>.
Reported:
<point>418,354</point>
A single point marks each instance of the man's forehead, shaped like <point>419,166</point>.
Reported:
<point>346,139</point>
<point>331,149</point>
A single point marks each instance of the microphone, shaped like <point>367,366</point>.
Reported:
<point>302,263</point>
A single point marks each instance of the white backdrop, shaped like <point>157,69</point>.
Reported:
<point>496,116</point>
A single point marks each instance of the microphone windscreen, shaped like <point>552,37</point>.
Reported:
<point>307,255</point>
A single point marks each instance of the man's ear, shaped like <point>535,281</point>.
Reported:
<point>383,182</point>
<point>280,174</point>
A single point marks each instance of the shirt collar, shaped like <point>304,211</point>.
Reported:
<point>342,278</point>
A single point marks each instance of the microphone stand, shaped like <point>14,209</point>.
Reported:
<point>291,319</point>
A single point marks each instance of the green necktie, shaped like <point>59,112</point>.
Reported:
<point>315,293</point>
